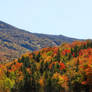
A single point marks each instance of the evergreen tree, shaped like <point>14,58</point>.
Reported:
<point>38,57</point>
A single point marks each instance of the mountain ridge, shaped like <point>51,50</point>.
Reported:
<point>14,41</point>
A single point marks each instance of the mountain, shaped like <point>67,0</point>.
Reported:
<point>14,41</point>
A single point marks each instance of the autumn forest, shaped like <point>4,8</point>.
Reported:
<point>64,68</point>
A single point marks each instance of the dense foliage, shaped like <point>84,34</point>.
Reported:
<point>67,68</point>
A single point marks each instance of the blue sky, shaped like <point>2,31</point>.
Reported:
<point>71,18</point>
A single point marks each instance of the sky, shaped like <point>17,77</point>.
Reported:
<point>72,18</point>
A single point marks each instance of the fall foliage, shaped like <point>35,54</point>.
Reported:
<point>66,68</point>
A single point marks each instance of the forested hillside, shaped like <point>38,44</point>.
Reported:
<point>64,68</point>
<point>14,41</point>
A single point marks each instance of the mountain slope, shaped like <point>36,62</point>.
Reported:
<point>14,41</point>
